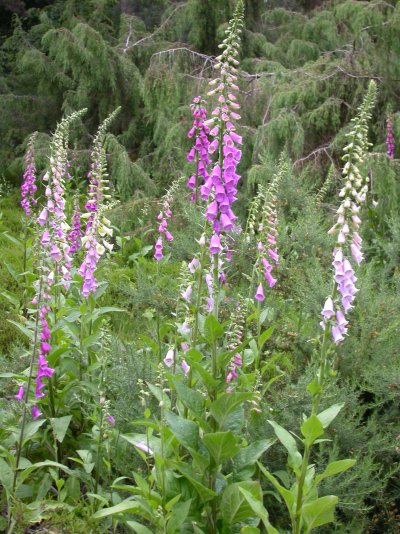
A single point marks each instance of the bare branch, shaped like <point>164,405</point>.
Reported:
<point>151,36</point>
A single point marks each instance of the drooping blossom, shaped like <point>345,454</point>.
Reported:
<point>389,137</point>
<point>185,367</point>
<point>98,230</point>
<point>169,358</point>
<point>348,242</point>
<point>20,395</point>
<point>28,187</point>
<point>199,152</point>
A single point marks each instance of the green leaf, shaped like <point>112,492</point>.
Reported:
<point>31,428</point>
<point>207,378</point>
<point>334,468</point>
<point>60,426</point>
<point>221,446</point>
<point>120,508</point>
<point>212,329</point>
<point>137,527</point>
<point>312,429</point>
<point>259,510</point>
<point>226,404</point>
<point>289,443</point>
<point>185,431</point>
<point>234,506</point>
<point>28,333</point>
<point>327,416</point>
<point>6,475</point>
<point>249,530</point>
<point>205,493</point>
<point>319,512</point>
<point>105,309</point>
<point>180,511</point>
<point>264,337</point>
<point>286,494</point>
<point>191,398</point>
<point>247,456</point>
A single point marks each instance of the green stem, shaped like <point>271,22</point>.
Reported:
<point>28,386</point>
<point>314,411</point>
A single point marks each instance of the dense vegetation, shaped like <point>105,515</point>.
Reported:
<point>171,391</point>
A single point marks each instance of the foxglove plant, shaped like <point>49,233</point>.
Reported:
<point>349,242</point>
<point>53,260</point>
<point>302,501</point>
<point>389,137</point>
<point>220,188</point>
<point>95,242</point>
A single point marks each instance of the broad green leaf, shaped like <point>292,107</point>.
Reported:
<point>160,395</point>
<point>226,404</point>
<point>221,446</point>
<point>180,511</point>
<point>31,428</point>
<point>105,309</point>
<point>286,494</point>
<point>172,502</point>
<point>191,398</point>
<point>319,512</point>
<point>47,463</point>
<point>212,329</point>
<point>205,493</point>
<point>334,468</point>
<point>249,530</point>
<point>60,426</point>
<point>259,510</point>
<point>28,333</point>
<point>264,337</point>
<point>185,431</point>
<point>289,443</point>
<point>138,528</point>
<point>247,456</point>
<point>120,508</point>
<point>207,378</point>
<point>312,429</point>
<point>11,298</point>
<point>6,475</point>
<point>327,416</point>
<point>234,506</point>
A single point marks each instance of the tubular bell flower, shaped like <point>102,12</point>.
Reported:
<point>95,242</point>
<point>348,222</point>
<point>28,187</point>
<point>199,152</point>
